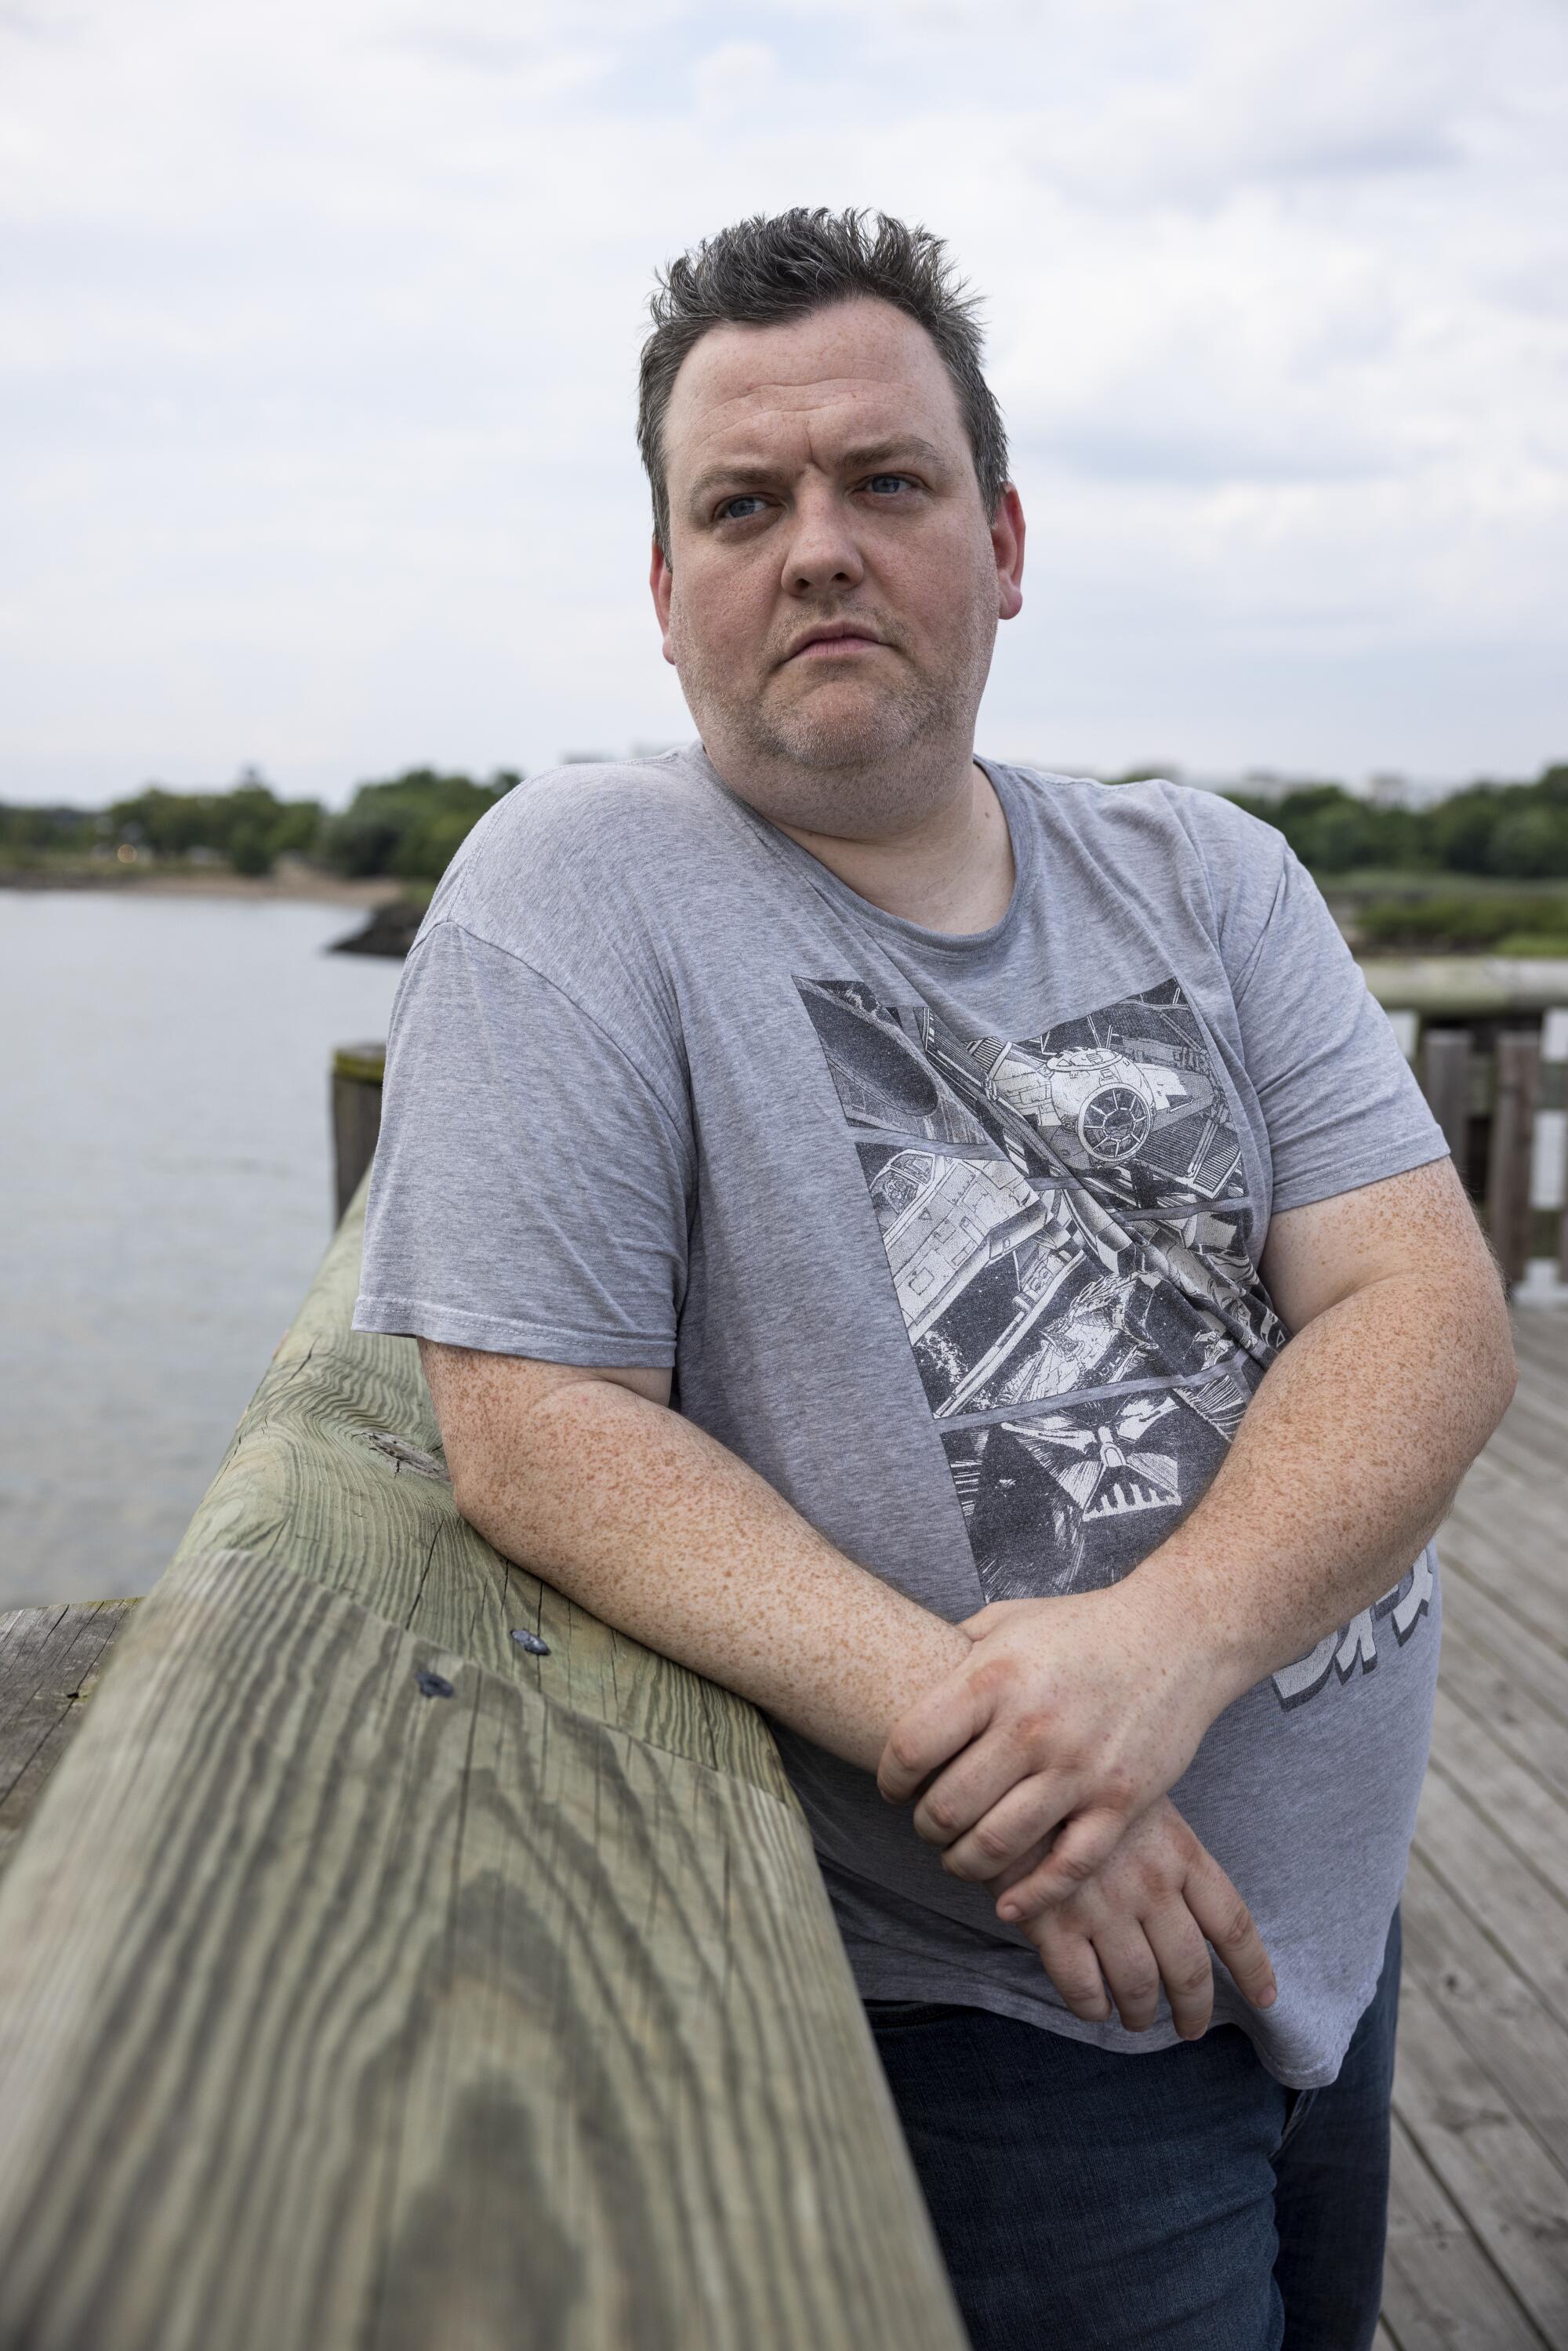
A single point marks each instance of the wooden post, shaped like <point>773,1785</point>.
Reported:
<point>1549,1181</point>
<point>400,1957</point>
<point>357,1071</point>
<point>1508,1167</point>
<point>1446,1073</point>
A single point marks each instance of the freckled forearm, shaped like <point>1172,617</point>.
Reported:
<point>1342,1469</point>
<point>642,1518</point>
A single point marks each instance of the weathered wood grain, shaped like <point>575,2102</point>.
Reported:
<point>1490,1692</point>
<point>1540,1336</point>
<point>1440,2290</point>
<point>1518,1071</point>
<point>335,2016</point>
<point>403,2021</point>
<point>1446,1075</point>
<point>1512,1539</point>
<point>1518,1649</point>
<point>50,1659</point>
<point>1501,2019</point>
<point>301,1481</point>
<point>1508,1894</point>
<point>1478,2243</point>
<point>1508,2192</point>
<point>1537,1417</point>
<point>1508,1801</point>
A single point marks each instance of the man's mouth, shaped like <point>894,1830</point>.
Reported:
<point>839,640</point>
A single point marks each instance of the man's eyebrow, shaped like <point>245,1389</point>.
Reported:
<point>734,470</point>
<point>886,453</point>
<point>741,472</point>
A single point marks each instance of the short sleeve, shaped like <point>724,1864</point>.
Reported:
<point>1339,1102</point>
<point>529,1190</point>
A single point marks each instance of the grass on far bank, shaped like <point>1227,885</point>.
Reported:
<point>288,877</point>
<point>1439,914</point>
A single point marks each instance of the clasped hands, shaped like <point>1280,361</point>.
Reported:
<point>1061,1733</point>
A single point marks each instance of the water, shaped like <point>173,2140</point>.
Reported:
<point>165,1156</point>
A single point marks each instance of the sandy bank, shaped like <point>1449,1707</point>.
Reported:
<point>290,879</point>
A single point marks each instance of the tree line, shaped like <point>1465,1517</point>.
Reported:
<point>409,826</point>
<point>1512,832</point>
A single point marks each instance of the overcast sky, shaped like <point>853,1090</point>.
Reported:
<point>321,320</point>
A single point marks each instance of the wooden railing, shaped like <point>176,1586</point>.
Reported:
<point>400,1960</point>
<point>1510,1094</point>
<point>1489,1040</point>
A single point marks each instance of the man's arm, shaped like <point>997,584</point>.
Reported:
<point>1084,1710</point>
<point>640,1516</point>
<point>643,1518</point>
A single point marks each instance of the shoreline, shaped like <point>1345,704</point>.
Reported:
<point>289,882</point>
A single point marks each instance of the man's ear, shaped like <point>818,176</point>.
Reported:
<point>1006,545</point>
<point>661,580</point>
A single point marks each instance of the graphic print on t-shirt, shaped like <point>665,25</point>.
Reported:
<point>1064,1218</point>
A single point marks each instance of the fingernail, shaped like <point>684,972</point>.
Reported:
<point>1267,1998</point>
<point>1008,1910</point>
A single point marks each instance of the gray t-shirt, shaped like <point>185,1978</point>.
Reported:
<point>954,1239</point>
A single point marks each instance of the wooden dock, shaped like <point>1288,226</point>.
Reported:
<point>1477,2253</point>
<point>1478,2249</point>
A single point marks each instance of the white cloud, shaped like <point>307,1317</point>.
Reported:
<point>735,76</point>
<point>319,357</point>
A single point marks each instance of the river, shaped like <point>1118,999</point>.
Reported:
<point>166,1155</point>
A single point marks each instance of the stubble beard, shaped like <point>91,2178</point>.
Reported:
<point>856,770</point>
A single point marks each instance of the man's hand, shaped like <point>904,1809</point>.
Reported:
<point>1071,1715</point>
<point>1141,1921</point>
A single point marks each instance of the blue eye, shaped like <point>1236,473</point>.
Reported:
<point>727,512</point>
<point>881,481</point>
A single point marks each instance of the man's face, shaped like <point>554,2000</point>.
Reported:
<point>819,477</point>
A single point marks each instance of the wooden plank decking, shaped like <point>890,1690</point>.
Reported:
<point>1477,2250</point>
<point>1478,2232</point>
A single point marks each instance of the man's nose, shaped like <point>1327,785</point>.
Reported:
<point>821,549</point>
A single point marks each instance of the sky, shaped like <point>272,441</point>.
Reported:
<point>319,329</point>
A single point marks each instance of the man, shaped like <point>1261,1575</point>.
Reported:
<point>853,1198</point>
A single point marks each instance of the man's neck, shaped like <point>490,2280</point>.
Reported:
<point>952,870</point>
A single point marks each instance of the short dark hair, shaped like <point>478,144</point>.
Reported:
<point>789,265</point>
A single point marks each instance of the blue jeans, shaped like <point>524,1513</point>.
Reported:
<point>1088,2201</point>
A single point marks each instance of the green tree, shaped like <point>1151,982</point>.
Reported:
<point>251,848</point>
<point>249,825</point>
<point>28,836</point>
<point>1529,842</point>
<point>412,825</point>
<point>1513,831</point>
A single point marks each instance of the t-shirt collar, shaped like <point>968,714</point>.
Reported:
<point>822,878</point>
